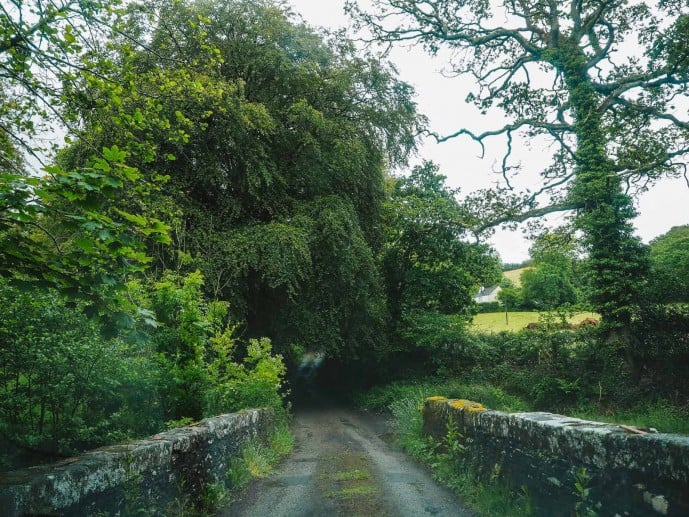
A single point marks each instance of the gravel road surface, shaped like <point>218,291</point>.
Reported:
<point>342,465</point>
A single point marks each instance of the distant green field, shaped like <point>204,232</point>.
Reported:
<point>515,275</point>
<point>495,321</point>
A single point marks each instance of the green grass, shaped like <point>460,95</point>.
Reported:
<point>383,397</point>
<point>662,416</point>
<point>351,475</point>
<point>495,321</point>
<point>257,460</point>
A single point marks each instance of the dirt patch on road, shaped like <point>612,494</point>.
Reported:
<point>347,479</point>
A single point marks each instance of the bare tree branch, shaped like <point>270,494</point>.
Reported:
<point>525,216</point>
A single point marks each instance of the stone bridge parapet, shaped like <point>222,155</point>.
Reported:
<point>153,474</point>
<point>620,470</point>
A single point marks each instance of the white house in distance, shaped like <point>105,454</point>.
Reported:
<point>488,294</point>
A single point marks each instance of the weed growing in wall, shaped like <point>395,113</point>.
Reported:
<point>584,505</point>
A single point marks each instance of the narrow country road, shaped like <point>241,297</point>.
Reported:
<point>342,465</point>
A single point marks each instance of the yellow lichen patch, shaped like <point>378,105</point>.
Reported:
<point>436,398</point>
<point>467,405</point>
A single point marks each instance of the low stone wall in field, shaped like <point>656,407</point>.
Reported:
<point>156,474</point>
<point>562,461</point>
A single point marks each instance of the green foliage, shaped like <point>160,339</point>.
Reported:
<point>431,274</point>
<point>60,229</point>
<point>64,386</point>
<point>207,372</point>
<point>583,506</point>
<point>669,256</point>
<point>554,279</point>
<point>280,137</point>
<point>40,46</point>
<point>482,308</point>
<point>660,351</point>
<point>257,460</point>
<point>400,392</point>
<point>440,336</point>
<point>545,287</point>
<point>180,339</point>
<point>511,298</point>
<point>426,265</point>
<point>579,372</point>
<point>256,382</point>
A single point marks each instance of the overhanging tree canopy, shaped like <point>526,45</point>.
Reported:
<point>275,140</point>
<point>602,79</point>
<point>57,225</point>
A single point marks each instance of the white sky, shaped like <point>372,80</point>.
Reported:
<point>442,100</point>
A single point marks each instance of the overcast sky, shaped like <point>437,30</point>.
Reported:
<point>442,100</point>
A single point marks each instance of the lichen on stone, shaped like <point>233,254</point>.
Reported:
<point>467,405</point>
<point>436,398</point>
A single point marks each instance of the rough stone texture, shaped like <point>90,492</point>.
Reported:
<point>629,474</point>
<point>150,474</point>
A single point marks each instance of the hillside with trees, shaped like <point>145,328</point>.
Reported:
<point>669,256</point>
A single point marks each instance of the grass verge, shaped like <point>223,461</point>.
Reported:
<point>661,416</point>
<point>257,460</point>
<point>450,461</point>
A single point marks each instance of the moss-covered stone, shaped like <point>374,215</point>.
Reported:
<point>626,473</point>
<point>150,473</point>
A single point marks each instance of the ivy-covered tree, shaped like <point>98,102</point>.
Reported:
<point>275,141</point>
<point>600,79</point>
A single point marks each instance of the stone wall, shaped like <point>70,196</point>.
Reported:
<point>625,473</point>
<point>155,474</point>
